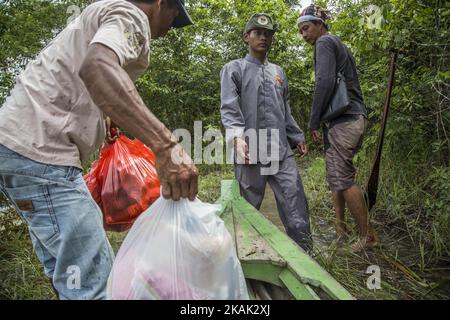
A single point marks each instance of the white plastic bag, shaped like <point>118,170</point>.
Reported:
<point>177,251</point>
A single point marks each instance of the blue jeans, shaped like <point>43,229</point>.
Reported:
<point>64,222</point>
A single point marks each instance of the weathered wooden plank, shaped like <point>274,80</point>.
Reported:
<point>261,291</point>
<point>251,292</point>
<point>250,245</point>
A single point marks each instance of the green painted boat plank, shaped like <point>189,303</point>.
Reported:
<point>262,271</point>
<point>227,217</point>
<point>302,271</point>
<point>229,190</point>
<point>297,289</point>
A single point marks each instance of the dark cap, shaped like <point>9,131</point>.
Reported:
<point>260,21</point>
<point>183,19</point>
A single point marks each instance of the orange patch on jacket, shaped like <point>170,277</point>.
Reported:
<point>278,80</point>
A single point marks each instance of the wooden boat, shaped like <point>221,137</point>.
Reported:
<point>275,267</point>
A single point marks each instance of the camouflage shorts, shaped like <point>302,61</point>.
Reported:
<point>343,140</point>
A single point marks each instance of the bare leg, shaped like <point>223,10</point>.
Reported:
<point>339,208</point>
<point>355,202</point>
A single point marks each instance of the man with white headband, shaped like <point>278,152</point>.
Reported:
<point>343,134</point>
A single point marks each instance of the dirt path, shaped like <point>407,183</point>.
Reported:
<point>270,211</point>
<point>269,208</point>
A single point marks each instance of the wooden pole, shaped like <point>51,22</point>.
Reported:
<point>372,183</point>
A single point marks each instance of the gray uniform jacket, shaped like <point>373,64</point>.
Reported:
<point>255,95</point>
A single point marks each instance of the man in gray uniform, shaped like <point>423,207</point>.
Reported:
<point>255,99</point>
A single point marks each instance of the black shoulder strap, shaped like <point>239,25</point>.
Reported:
<point>347,57</point>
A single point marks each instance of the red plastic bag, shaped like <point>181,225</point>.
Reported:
<point>123,182</point>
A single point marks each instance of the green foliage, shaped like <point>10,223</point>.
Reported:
<point>26,26</point>
<point>419,31</point>
<point>182,84</point>
<point>21,274</point>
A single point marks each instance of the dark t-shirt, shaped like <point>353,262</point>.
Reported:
<point>331,56</point>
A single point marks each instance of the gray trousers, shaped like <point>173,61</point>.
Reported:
<point>289,194</point>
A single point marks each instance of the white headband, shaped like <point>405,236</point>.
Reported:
<point>308,18</point>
